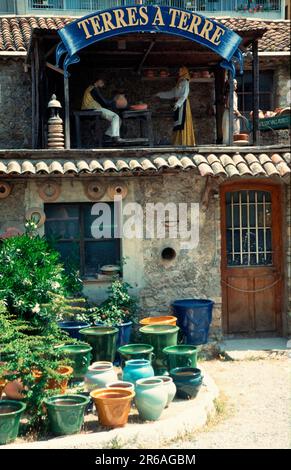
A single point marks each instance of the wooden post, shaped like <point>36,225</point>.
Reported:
<point>33,104</point>
<point>255,97</point>
<point>219,102</point>
<point>36,62</point>
<point>230,81</point>
<point>67,113</point>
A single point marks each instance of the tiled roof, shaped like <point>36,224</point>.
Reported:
<point>15,32</point>
<point>208,164</point>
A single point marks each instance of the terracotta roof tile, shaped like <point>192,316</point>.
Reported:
<point>15,32</point>
<point>227,165</point>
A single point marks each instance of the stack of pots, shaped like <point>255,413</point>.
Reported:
<point>159,336</point>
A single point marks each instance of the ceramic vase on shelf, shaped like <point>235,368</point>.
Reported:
<point>99,374</point>
<point>151,398</point>
<point>136,369</point>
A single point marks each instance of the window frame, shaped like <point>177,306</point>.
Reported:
<point>82,240</point>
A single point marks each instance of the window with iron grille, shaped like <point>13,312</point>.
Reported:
<point>68,226</point>
<point>249,228</point>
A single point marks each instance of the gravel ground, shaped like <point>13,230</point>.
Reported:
<point>254,407</point>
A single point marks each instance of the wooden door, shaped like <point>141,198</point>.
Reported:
<point>251,264</point>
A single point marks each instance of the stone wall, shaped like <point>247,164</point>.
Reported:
<point>15,104</point>
<point>288,257</point>
<point>12,209</point>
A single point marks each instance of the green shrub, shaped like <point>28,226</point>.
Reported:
<point>120,307</point>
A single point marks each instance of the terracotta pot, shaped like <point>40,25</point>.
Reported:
<point>2,386</point>
<point>14,390</point>
<point>161,320</point>
<point>139,107</point>
<point>112,405</point>
<point>237,137</point>
<point>52,384</point>
<point>120,101</point>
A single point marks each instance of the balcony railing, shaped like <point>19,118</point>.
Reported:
<point>197,5</point>
<point>265,8</point>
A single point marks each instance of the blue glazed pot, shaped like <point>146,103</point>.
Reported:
<point>151,398</point>
<point>188,381</point>
<point>124,333</point>
<point>194,317</point>
<point>73,327</point>
<point>136,369</point>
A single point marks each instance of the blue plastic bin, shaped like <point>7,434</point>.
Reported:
<point>194,317</point>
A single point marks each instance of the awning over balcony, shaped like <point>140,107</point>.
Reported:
<point>245,163</point>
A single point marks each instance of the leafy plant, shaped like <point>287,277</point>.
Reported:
<point>29,271</point>
<point>63,308</point>
<point>118,308</point>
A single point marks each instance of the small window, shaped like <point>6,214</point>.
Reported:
<point>245,103</point>
<point>68,226</point>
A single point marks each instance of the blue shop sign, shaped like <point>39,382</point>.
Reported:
<point>149,19</point>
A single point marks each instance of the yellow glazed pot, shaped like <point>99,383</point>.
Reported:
<point>164,320</point>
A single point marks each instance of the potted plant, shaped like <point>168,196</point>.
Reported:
<point>118,310</point>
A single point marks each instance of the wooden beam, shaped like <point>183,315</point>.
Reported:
<point>67,113</point>
<point>145,57</point>
<point>231,90</point>
<point>219,101</point>
<point>50,51</point>
<point>54,67</point>
<point>255,95</point>
<point>33,104</point>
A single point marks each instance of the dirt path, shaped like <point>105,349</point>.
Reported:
<point>254,407</point>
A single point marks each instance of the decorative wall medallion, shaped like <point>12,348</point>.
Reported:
<point>94,190</point>
<point>5,189</point>
<point>37,215</point>
<point>117,190</point>
<point>49,190</point>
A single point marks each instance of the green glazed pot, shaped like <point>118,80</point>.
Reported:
<point>181,355</point>
<point>10,414</point>
<point>66,413</point>
<point>103,341</point>
<point>81,356</point>
<point>188,381</point>
<point>151,398</point>
<point>160,336</point>
<point>135,351</point>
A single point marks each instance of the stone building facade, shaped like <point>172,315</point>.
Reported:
<point>150,176</point>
